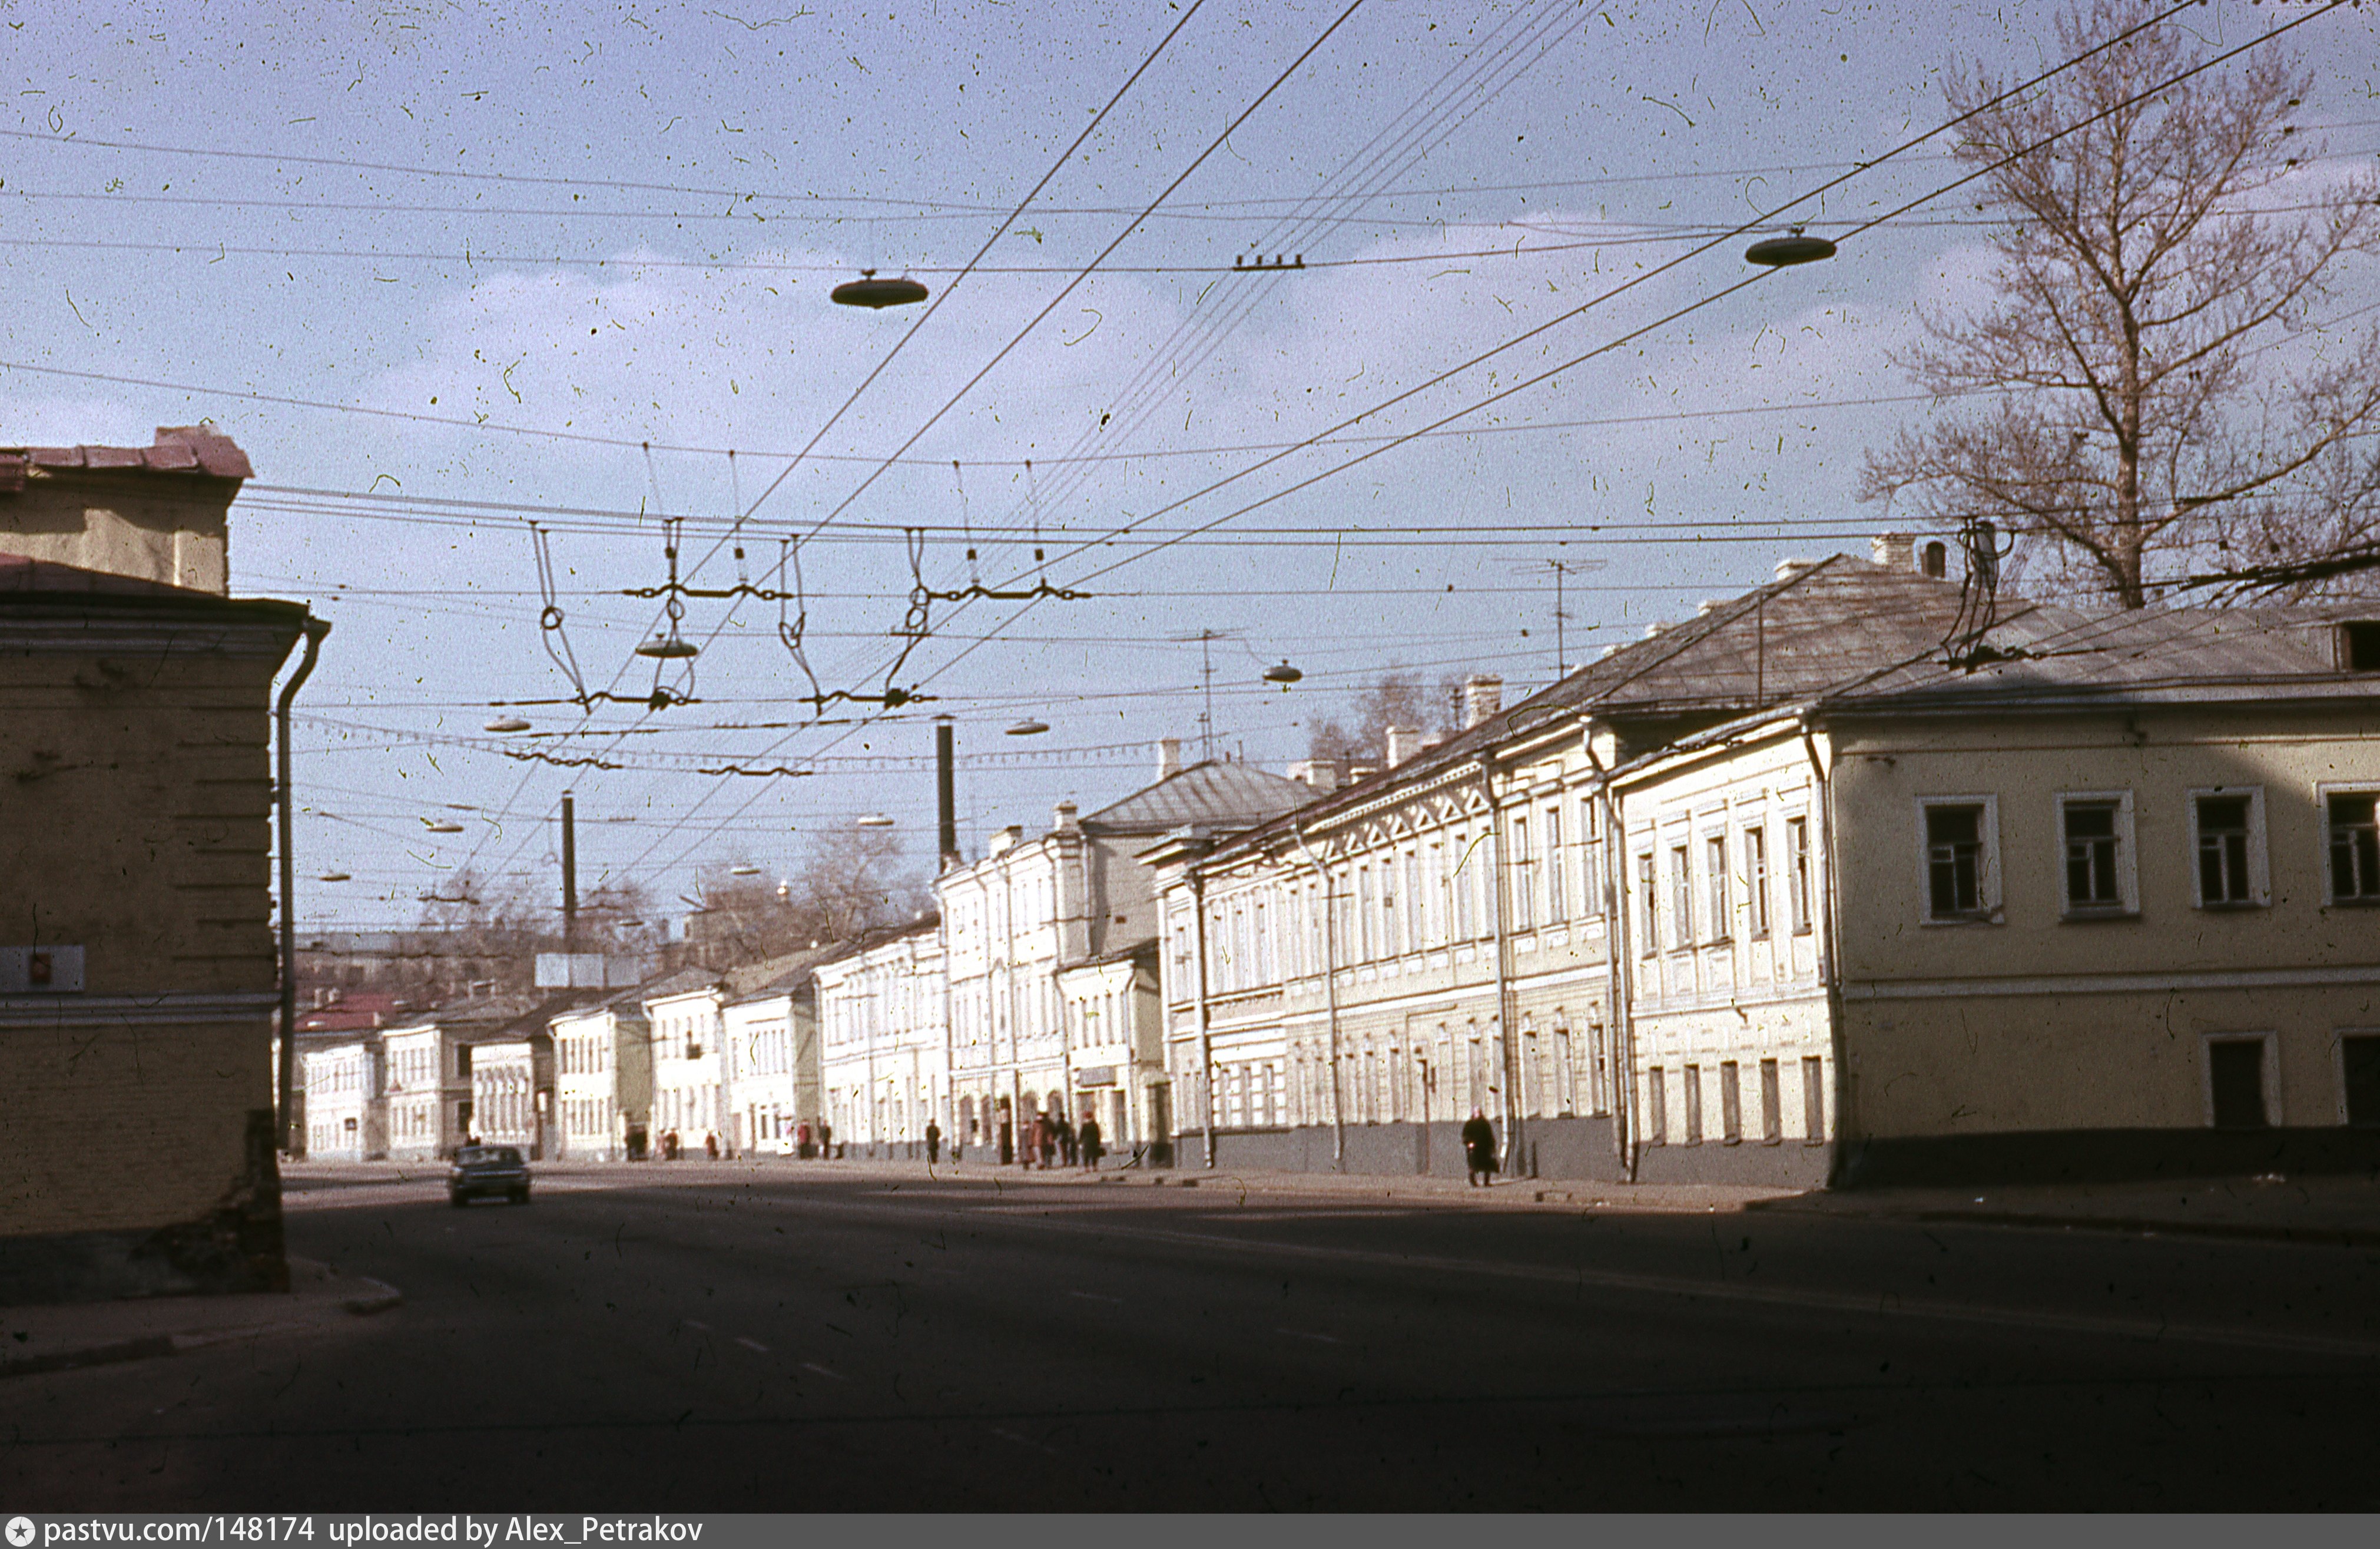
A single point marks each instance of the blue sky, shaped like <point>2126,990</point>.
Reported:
<point>437,225</point>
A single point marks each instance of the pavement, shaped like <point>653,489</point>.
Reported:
<point>57,1338</point>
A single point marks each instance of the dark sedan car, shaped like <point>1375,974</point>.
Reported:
<point>487,1170</point>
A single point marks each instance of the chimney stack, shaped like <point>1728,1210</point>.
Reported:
<point>1319,776</point>
<point>1894,550</point>
<point>1061,818</point>
<point>1404,743</point>
<point>946,795</point>
<point>1483,695</point>
<point>1169,757</point>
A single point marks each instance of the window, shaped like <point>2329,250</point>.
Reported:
<point>1797,848</point>
<point>1459,884</point>
<point>1682,899</point>
<point>2358,1079</point>
<point>2095,828</point>
<point>2236,1088</point>
<point>1715,870</point>
<point>1960,858</point>
<point>1755,883</point>
<point>1730,1102</point>
<point>2354,847</point>
<point>1656,1107</point>
<point>1651,933</point>
<point>1814,1100</point>
<point>1590,862</point>
<point>2227,841</point>
<point>1772,1105</point>
<point>2359,646</point>
<point>1693,1094</point>
<point>1366,926</point>
<point>1525,874</point>
<point>1557,875</point>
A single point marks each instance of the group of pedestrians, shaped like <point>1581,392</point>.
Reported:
<point>1050,1142</point>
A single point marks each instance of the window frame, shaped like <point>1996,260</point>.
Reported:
<point>1648,888</point>
<point>1755,844</point>
<point>1988,910</point>
<point>2260,870</point>
<point>2127,903</point>
<point>1799,882</point>
<point>2324,791</point>
<point>2270,1044</point>
<point>1681,894</point>
<point>1718,891</point>
<point>2339,1041</point>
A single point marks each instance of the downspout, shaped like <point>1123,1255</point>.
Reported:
<point>1618,986</point>
<point>1330,991</point>
<point>1508,1058</point>
<point>315,629</point>
<point>1831,954</point>
<point>1205,1039</point>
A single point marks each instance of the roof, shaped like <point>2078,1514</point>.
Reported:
<point>48,585</point>
<point>188,450</point>
<point>2040,656</point>
<point>1818,627</point>
<point>1208,794</point>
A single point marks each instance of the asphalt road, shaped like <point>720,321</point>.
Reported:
<point>780,1338</point>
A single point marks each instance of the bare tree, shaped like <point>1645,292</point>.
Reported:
<point>2167,395</point>
<point>846,882</point>
<point>1398,699</point>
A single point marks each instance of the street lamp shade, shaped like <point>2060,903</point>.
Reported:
<point>1283,675</point>
<point>442,826</point>
<point>336,876</point>
<point>671,647</point>
<point>507,723</point>
<point>875,820</point>
<point>1028,727</point>
<point>743,871</point>
<point>1778,253</point>
<point>875,294</point>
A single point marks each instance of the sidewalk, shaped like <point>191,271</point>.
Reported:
<point>2330,1210</point>
<point>36,1340</point>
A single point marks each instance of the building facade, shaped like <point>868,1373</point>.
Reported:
<point>603,1080</point>
<point>138,989</point>
<point>884,1043</point>
<point>346,1109</point>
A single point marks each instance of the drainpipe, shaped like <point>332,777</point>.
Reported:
<point>1506,1055</point>
<point>1206,1037</point>
<point>1330,987</point>
<point>315,629</point>
<point>1619,982</point>
<point>1830,952</point>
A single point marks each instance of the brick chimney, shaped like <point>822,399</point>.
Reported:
<point>1404,743</point>
<point>1483,695</point>
<point>1894,550</point>
<point>1319,776</point>
<point>1169,757</point>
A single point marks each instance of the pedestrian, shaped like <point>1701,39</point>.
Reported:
<point>1037,1155</point>
<point>802,1140</point>
<point>1089,1140</point>
<point>1479,1149</point>
<point>1065,1140</point>
<point>669,1145</point>
<point>933,1142</point>
<point>826,1141</point>
<point>710,1144</point>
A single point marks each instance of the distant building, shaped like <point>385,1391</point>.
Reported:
<point>771,1034</point>
<point>137,978</point>
<point>603,1078</point>
<point>347,1108</point>
<point>158,513</point>
<point>885,1047</point>
<point>1115,1020</point>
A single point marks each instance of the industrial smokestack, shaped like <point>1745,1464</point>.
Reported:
<point>569,873</point>
<point>946,791</point>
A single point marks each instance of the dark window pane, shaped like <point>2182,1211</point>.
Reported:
<point>1953,825</point>
<point>2360,1059</point>
<point>2090,821</point>
<point>2236,1070</point>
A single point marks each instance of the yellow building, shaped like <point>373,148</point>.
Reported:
<point>138,970</point>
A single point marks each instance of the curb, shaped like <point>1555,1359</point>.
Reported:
<point>379,1298</point>
<point>142,1349</point>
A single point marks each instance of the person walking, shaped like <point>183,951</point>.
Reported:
<point>1043,1141</point>
<point>1088,1138</point>
<point>933,1142</point>
<point>826,1142</point>
<point>710,1144</point>
<point>1065,1140</point>
<point>1479,1149</point>
<point>802,1138</point>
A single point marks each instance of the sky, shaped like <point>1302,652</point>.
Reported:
<point>447,271</point>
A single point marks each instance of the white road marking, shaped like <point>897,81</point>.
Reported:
<point>753,1344</point>
<point>1094,1296</point>
<point>823,1371</point>
<point>1023,1441</point>
<point>691,1324</point>
<point>1318,1338</point>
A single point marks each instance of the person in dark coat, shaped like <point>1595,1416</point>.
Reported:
<point>1065,1141</point>
<point>933,1142</point>
<point>1479,1149</point>
<point>1088,1139</point>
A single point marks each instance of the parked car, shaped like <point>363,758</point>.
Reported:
<point>487,1170</point>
